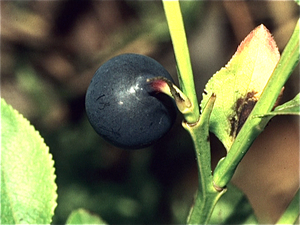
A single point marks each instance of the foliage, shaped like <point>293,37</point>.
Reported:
<point>235,89</point>
<point>82,216</point>
<point>233,208</point>
<point>28,190</point>
<point>239,84</point>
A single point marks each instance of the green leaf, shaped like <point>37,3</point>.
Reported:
<point>289,108</point>
<point>28,190</point>
<point>233,208</point>
<point>239,84</point>
<point>291,214</point>
<point>254,126</point>
<point>82,216</point>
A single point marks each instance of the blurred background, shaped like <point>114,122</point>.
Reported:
<point>49,53</point>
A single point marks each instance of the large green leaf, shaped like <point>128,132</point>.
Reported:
<point>233,208</point>
<point>28,190</point>
<point>82,216</point>
<point>239,84</point>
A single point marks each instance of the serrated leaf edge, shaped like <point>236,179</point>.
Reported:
<point>47,152</point>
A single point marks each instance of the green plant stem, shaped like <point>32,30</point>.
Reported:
<point>255,125</point>
<point>186,79</point>
<point>291,214</point>
<point>207,195</point>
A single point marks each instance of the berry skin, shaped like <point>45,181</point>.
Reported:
<point>123,107</point>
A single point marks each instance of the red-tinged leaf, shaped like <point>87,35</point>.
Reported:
<point>239,84</point>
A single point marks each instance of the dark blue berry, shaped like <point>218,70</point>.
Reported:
<point>123,107</point>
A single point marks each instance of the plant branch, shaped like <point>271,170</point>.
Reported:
<point>186,79</point>
<point>207,195</point>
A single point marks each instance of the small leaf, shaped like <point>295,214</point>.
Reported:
<point>233,208</point>
<point>289,108</point>
<point>239,84</point>
<point>82,216</point>
<point>28,190</point>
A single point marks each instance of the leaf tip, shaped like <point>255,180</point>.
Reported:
<point>260,35</point>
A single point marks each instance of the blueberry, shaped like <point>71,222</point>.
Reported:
<point>123,107</point>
